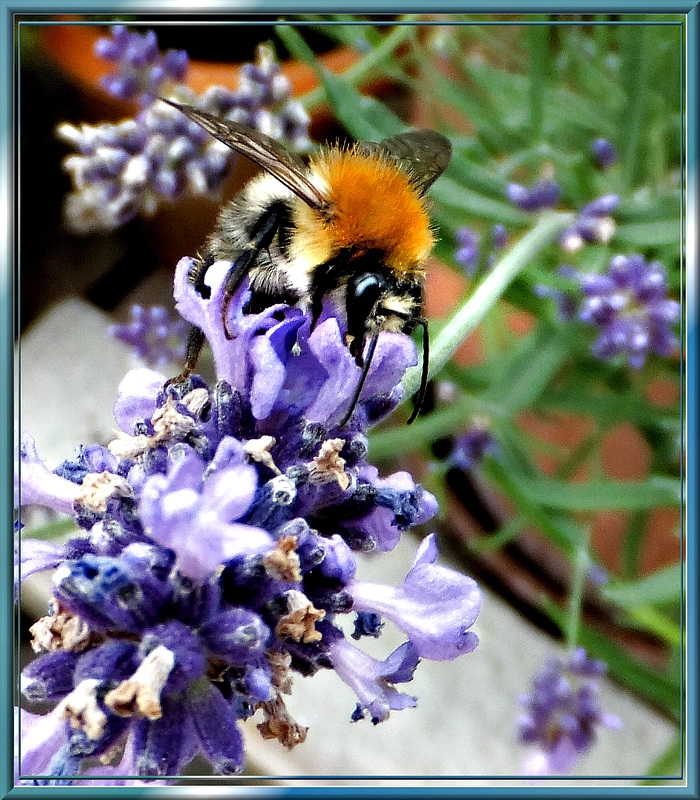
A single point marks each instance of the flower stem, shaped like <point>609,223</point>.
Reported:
<point>486,294</point>
<point>581,565</point>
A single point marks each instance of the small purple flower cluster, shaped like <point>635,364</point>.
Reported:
<point>468,252</point>
<point>125,169</point>
<point>217,553</point>
<point>604,153</point>
<point>629,305</point>
<point>474,445</point>
<point>593,223</point>
<point>143,72</point>
<point>542,194</point>
<point>562,714</point>
<point>155,338</point>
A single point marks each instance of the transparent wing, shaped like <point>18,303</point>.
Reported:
<point>272,156</point>
<point>422,155</point>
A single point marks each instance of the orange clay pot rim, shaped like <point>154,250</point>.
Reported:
<point>71,45</point>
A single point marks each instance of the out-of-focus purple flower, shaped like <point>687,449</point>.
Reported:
<point>593,223</point>
<point>142,71</point>
<point>467,253</point>
<point>217,553</point>
<point>598,575</point>
<point>629,305</point>
<point>542,194</point>
<point>471,447</point>
<point>469,248</point>
<point>562,714</point>
<point>156,338</point>
<point>604,153</point>
<point>129,168</point>
<point>499,236</point>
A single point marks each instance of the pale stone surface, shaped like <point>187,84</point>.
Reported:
<point>464,724</point>
<point>70,369</point>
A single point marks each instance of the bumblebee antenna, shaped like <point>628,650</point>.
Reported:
<point>420,397</point>
<point>363,378</point>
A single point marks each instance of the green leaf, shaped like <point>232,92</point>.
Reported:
<point>604,495</point>
<point>472,203</point>
<point>529,370</point>
<point>650,234</point>
<point>363,117</point>
<point>563,532</point>
<point>663,586</point>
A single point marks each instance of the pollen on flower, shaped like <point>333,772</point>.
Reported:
<point>125,446</point>
<point>82,710</point>
<point>139,695</point>
<point>282,490</point>
<point>61,630</point>
<point>169,424</point>
<point>299,623</point>
<point>283,563</point>
<point>196,401</point>
<point>259,450</point>
<point>328,465</point>
<point>98,487</point>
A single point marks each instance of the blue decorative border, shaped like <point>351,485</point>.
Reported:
<point>153,8</point>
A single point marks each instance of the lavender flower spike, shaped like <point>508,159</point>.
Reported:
<point>216,553</point>
<point>562,714</point>
<point>630,307</point>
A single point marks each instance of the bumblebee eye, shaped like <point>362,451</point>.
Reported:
<point>365,292</point>
<point>362,296</point>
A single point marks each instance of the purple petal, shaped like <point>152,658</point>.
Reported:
<point>136,397</point>
<point>42,736</point>
<point>434,606</point>
<point>35,484</point>
<point>370,679</point>
<point>35,555</point>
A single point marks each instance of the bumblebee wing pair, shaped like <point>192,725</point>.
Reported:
<point>420,156</point>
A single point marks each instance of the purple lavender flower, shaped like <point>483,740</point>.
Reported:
<point>142,71</point>
<point>542,194</point>
<point>125,169</point>
<point>467,253</point>
<point>499,236</point>
<point>474,445</point>
<point>217,553</point>
<point>629,305</point>
<point>604,153</point>
<point>593,223</point>
<point>562,714</point>
<point>156,339</point>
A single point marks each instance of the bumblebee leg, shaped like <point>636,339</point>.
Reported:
<point>264,231</point>
<point>195,341</point>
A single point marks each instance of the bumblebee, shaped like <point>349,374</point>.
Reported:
<point>352,225</point>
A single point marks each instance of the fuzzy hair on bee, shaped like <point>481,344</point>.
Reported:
<point>351,225</point>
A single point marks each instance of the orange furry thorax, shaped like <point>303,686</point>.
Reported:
<point>375,207</point>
